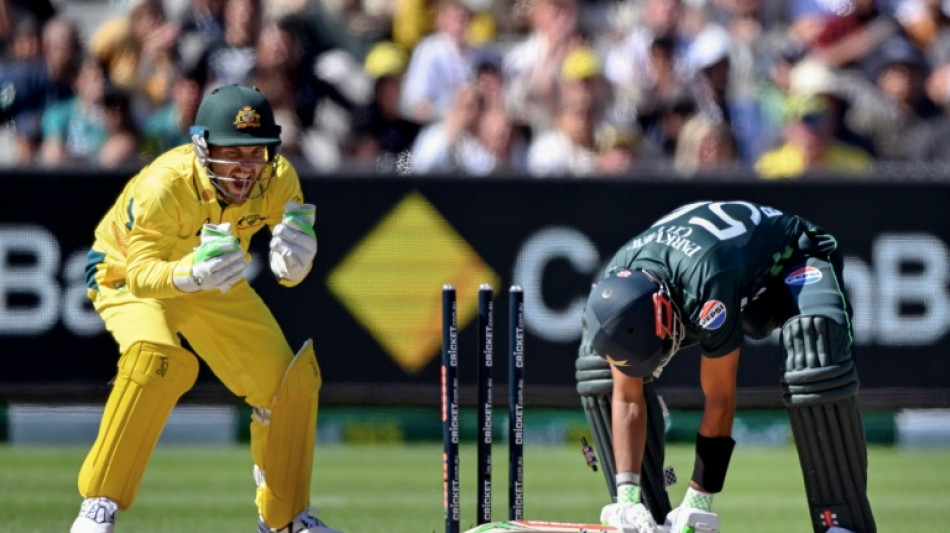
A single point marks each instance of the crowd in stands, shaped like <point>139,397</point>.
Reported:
<point>546,88</point>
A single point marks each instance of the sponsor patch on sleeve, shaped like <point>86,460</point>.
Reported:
<point>712,315</point>
<point>803,276</point>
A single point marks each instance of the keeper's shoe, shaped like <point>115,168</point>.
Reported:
<point>305,522</point>
<point>96,515</point>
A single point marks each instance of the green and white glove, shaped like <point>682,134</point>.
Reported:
<point>294,244</point>
<point>628,517</point>
<point>217,263</point>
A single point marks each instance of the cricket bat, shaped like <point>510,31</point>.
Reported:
<point>542,527</point>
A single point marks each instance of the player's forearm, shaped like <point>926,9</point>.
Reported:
<point>718,379</point>
<point>718,416</point>
<point>629,424</point>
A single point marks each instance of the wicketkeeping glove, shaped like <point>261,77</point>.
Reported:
<point>628,517</point>
<point>294,244</point>
<point>217,263</point>
<point>688,520</point>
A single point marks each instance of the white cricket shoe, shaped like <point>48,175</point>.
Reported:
<point>96,515</point>
<point>305,522</point>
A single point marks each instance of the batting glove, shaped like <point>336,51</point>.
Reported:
<point>217,263</point>
<point>294,244</point>
<point>628,517</point>
<point>689,520</point>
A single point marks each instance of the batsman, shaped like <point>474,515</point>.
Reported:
<point>710,274</point>
<point>168,263</point>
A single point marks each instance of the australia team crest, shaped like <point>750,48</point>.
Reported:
<point>247,117</point>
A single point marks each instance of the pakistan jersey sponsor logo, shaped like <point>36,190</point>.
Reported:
<point>712,315</point>
<point>675,237</point>
<point>804,276</point>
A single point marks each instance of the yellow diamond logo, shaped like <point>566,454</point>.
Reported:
<point>392,280</point>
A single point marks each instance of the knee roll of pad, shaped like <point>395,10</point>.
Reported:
<point>818,364</point>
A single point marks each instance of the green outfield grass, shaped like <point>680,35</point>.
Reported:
<point>397,489</point>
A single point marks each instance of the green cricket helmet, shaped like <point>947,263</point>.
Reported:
<point>631,323</point>
<point>236,115</point>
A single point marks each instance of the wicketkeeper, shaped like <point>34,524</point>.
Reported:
<point>169,259</point>
<point>711,273</point>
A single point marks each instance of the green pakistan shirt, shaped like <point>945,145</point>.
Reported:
<point>715,257</point>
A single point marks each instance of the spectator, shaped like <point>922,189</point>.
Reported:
<point>569,148</point>
<point>641,64</point>
<point>381,136</point>
<point>648,103</point>
<point>840,88</point>
<point>14,12</point>
<point>488,77</point>
<point>810,145</point>
<point>324,25</point>
<point>704,145</point>
<point>202,25</point>
<point>74,130</point>
<point>360,22</point>
<point>412,21</point>
<point>470,140</point>
<point>25,43</point>
<point>232,58</point>
<point>896,103</point>
<point>439,64</point>
<point>121,147</point>
<point>30,86</point>
<point>661,129</point>
<point>280,53</point>
<point>138,51</point>
<point>581,72</point>
<point>711,63</point>
<point>848,36</point>
<point>932,34</point>
<point>532,67</point>
<point>773,89</point>
<point>503,141</point>
<point>168,127</point>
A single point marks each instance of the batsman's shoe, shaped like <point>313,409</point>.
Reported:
<point>687,520</point>
<point>96,515</point>
<point>305,522</point>
<point>837,529</point>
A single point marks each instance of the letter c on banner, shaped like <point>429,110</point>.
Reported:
<point>554,325</point>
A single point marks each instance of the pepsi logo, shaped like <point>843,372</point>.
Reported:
<point>712,315</point>
<point>803,276</point>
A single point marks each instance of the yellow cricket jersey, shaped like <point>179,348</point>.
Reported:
<point>158,217</point>
<point>787,161</point>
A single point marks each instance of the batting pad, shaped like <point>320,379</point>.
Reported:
<point>820,386</point>
<point>542,527</point>
<point>150,380</point>
<point>288,433</point>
